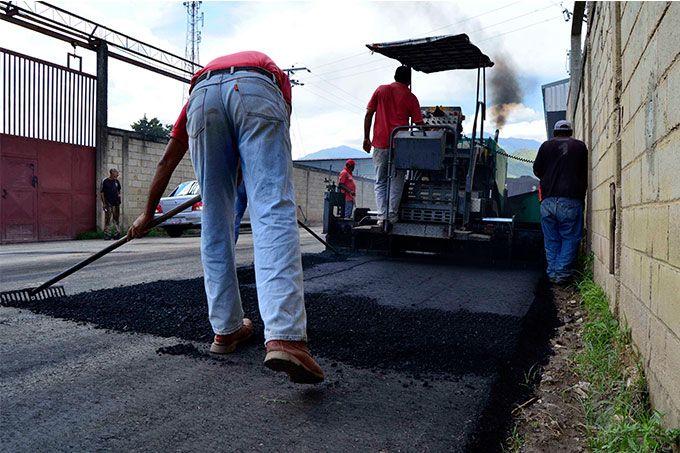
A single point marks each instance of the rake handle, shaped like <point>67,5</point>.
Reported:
<point>155,222</point>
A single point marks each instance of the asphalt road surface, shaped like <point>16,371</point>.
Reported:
<point>416,354</point>
<point>141,260</point>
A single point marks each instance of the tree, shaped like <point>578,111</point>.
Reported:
<point>152,127</point>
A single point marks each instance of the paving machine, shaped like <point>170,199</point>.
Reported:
<point>454,190</point>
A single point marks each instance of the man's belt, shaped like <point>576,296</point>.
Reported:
<point>234,69</point>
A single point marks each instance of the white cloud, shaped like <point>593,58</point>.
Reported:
<point>534,130</point>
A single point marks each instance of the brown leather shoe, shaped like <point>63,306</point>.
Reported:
<point>224,344</point>
<point>293,358</point>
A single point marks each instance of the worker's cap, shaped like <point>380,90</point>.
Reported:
<point>563,125</point>
<point>350,163</point>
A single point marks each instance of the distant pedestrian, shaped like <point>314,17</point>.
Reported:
<point>562,167</point>
<point>348,187</point>
<point>111,198</point>
<point>392,106</point>
<point>239,110</point>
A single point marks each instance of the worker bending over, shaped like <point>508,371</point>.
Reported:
<point>392,106</point>
<point>239,108</point>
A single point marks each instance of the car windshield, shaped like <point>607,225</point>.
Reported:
<point>183,189</point>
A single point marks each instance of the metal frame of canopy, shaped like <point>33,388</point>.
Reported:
<point>444,53</point>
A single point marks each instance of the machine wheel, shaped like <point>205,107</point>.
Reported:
<point>174,232</point>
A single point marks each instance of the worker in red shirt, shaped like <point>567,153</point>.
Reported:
<point>239,110</point>
<point>392,106</point>
<point>348,187</point>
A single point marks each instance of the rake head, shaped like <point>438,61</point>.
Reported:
<point>27,295</point>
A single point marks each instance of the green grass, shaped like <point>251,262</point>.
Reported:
<point>617,407</point>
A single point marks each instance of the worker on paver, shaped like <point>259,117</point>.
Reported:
<point>111,198</point>
<point>392,105</point>
<point>562,166</point>
<point>239,107</point>
<point>348,186</point>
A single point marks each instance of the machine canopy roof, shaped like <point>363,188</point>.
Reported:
<point>434,54</point>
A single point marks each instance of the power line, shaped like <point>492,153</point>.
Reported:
<point>333,101</point>
<point>338,88</point>
<point>422,34</point>
<point>513,18</point>
<point>348,102</point>
<point>468,19</point>
<point>483,28</point>
<point>522,28</point>
<point>314,75</point>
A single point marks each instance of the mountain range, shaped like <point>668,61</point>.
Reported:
<point>509,144</point>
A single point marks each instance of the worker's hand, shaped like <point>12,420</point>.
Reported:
<point>354,194</point>
<point>106,209</point>
<point>367,145</point>
<point>139,227</point>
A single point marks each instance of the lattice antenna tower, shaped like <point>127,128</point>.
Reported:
<point>194,24</point>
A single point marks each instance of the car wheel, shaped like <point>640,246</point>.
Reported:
<point>174,232</point>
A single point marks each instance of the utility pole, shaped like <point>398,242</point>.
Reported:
<point>291,71</point>
<point>193,40</point>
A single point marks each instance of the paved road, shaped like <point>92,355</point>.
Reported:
<point>142,260</point>
<point>69,386</point>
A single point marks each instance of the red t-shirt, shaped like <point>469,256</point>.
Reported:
<point>247,58</point>
<point>393,104</point>
<point>347,179</point>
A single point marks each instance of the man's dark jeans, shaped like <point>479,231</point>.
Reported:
<point>562,223</point>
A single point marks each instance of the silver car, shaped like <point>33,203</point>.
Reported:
<point>189,218</point>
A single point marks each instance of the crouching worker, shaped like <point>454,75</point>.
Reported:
<point>239,108</point>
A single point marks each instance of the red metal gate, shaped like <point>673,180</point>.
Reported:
<point>47,154</point>
<point>48,189</point>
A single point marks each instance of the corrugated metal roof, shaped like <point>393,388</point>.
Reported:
<point>434,54</point>
<point>555,95</point>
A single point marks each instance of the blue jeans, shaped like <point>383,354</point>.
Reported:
<point>241,205</point>
<point>243,115</point>
<point>562,223</point>
<point>380,157</point>
<point>349,207</point>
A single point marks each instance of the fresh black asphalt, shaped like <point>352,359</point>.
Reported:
<point>419,355</point>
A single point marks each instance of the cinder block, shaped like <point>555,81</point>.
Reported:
<point>668,32</point>
<point>662,401</point>
<point>629,14</point>
<point>646,274</point>
<point>674,235</point>
<point>673,95</point>
<point>637,317</point>
<point>666,297</point>
<point>658,359</point>
<point>631,182</point>
<point>668,160</point>
<point>671,377</point>
<point>631,267</point>
<point>657,233</point>
<point>628,233</point>
<point>640,225</point>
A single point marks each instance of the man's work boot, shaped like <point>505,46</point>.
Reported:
<point>293,358</point>
<point>224,344</point>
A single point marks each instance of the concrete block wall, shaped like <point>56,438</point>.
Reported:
<point>628,112</point>
<point>136,157</point>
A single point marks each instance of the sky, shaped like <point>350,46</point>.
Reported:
<point>329,38</point>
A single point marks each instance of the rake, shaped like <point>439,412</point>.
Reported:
<point>45,291</point>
